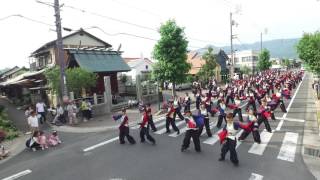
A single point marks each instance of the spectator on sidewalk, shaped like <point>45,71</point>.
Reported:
<point>34,143</point>
<point>54,139</point>
<point>59,114</point>
<point>3,152</point>
<point>27,114</point>
<point>33,122</point>
<point>86,110</point>
<point>43,140</point>
<point>40,107</point>
<point>72,112</point>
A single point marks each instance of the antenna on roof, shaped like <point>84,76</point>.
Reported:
<point>118,50</point>
<point>79,45</point>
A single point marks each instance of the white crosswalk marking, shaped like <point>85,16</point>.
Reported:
<point>255,176</point>
<point>288,147</point>
<point>212,140</point>
<point>259,148</point>
<point>155,121</point>
<point>163,130</point>
<point>237,136</point>
<point>204,130</point>
<point>182,130</point>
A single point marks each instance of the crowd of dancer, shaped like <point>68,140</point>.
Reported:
<point>259,95</point>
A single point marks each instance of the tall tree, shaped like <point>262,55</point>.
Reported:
<point>171,54</point>
<point>207,71</point>
<point>308,49</point>
<point>286,63</point>
<point>77,79</point>
<point>264,62</point>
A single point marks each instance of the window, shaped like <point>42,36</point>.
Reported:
<point>147,67</point>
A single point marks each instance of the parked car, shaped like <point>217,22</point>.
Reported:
<point>182,86</point>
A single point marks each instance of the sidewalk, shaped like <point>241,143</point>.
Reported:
<point>17,117</point>
<point>311,137</point>
<point>105,122</point>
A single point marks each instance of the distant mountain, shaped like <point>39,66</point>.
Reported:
<point>281,48</point>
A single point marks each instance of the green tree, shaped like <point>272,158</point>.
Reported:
<point>77,78</point>
<point>264,62</point>
<point>308,49</point>
<point>171,55</point>
<point>286,63</point>
<point>207,71</point>
<point>245,70</point>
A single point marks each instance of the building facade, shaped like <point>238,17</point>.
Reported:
<point>247,58</point>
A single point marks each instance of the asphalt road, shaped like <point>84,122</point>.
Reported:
<point>279,158</point>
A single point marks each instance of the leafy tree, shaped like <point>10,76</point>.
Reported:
<point>245,70</point>
<point>286,63</point>
<point>308,49</point>
<point>264,62</point>
<point>207,71</point>
<point>77,78</point>
<point>171,53</point>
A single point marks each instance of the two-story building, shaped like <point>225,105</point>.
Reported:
<point>196,61</point>
<point>82,49</point>
<point>247,58</point>
<point>138,66</point>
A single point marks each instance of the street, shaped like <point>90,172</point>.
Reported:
<point>100,156</point>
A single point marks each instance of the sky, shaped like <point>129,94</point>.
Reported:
<point>205,22</point>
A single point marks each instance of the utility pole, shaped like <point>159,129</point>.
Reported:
<point>260,42</point>
<point>60,52</point>
<point>231,47</point>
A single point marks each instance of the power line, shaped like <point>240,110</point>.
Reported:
<point>27,18</point>
<point>128,23</point>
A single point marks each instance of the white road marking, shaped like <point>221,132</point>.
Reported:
<point>255,176</point>
<point>163,130</point>
<point>289,106</point>
<point>16,176</point>
<point>259,148</point>
<point>100,144</point>
<point>237,136</point>
<point>182,130</point>
<point>155,121</point>
<point>288,147</point>
<point>294,120</point>
<point>204,129</point>
<point>212,140</point>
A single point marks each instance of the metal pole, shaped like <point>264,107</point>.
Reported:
<point>231,46</point>
<point>260,42</point>
<point>60,52</point>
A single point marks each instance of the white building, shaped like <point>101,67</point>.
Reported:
<point>138,66</point>
<point>247,58</point>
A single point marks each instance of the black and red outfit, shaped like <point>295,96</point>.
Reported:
<point>251,127</point>
<point>192,131</point>
<point>144,129</point>
<point>151,123</point>
<point>124,130</point>
<point>263,116</point>
<point>171,120</point>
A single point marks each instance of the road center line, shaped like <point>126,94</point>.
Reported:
<point>16,176</point>
<point>100,144</point>
<point>255,176</point>
<point>288,108</point>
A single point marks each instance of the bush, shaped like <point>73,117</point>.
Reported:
<point>7,128</point>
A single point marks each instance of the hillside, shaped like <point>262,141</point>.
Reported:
<point>282,48</point>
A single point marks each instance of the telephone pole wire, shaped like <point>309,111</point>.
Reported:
<point>60,52</point>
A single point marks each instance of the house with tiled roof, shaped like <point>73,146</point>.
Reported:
<point>196,61</point>
<point>138,66</point>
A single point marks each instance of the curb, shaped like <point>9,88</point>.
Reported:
<point>69,129</point>
<point>16,148</point>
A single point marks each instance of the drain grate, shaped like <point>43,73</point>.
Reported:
<point>312,152</point>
